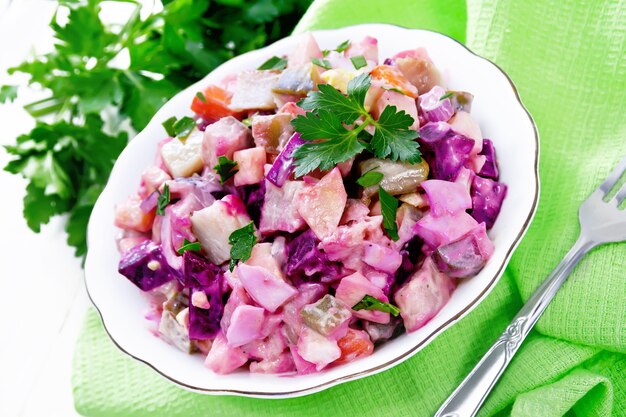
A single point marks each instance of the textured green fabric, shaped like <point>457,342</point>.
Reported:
<point>568,60</point>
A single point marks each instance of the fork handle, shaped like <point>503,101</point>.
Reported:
<point>466,400</point>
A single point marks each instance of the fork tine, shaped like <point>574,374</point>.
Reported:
<point>621,195</point>
<point>613,177</point>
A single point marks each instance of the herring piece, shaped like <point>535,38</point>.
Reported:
<point>254,91</point>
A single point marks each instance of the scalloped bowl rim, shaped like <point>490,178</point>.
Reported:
<point>120,304</point>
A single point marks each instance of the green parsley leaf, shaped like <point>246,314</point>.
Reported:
<point>358,61</point>
<point>357,90</point>
<point>225,168</point>
<point>370,303</point>
<point>274,63</point>
<point>340,48</point>
<point>242,240</point>
<point>179,128</point>
<point>343,46</point>
<point>201,96</point>
<point>328,98</point>
<point>8,93</point>
<point>184,126</point>
<point>322,63</point>
<point>187,245</point>
<point>333,142</point>
<point>164,200</point>
<point>168,125</point>
<point>388,207</point>
<point>393,138</point>
<point>447,95</point>
<point>370,178</point>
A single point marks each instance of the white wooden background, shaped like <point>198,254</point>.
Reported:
<point>43,300</point>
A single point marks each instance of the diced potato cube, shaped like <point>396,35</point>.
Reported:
<point>306,50</point>
<point>368,47</point>
<point>353,288</point>
<point>245,325</point>
<point>151,180</point>
<point>420,71</point>
<point>321,205</point>
<point>268,348</point>
<point>279,212</point>
<point>183,158</point>
<point>130,216</point>
<point>250,165</point>
<point>283,363</point>
<point>223,138</point>
<point>400,101</point>
<point>213,225</point>
<point>439,231</point>
<point>382,258</point>
<point>317,349</point>
<point>265,288</point>
<point>414,199</point>
<point>303,367</point>
<point>328,316</point>
<point>262,256</point>
<point>423,295</point>
<point>223,359</point>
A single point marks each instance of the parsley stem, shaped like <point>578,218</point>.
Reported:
<point>366,122</point>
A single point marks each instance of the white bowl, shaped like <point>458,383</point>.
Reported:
<point>503,119</point>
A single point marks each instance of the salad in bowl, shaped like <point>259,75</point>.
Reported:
<point>308,211</point>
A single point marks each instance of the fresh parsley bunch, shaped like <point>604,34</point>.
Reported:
<point>334,135</point>
<point>80,130</point>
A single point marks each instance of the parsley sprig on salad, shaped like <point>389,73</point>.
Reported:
<point>335,129</point>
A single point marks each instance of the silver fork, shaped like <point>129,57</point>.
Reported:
<point>600,222</point>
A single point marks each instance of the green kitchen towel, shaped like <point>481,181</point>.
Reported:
<point>568,60</point>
